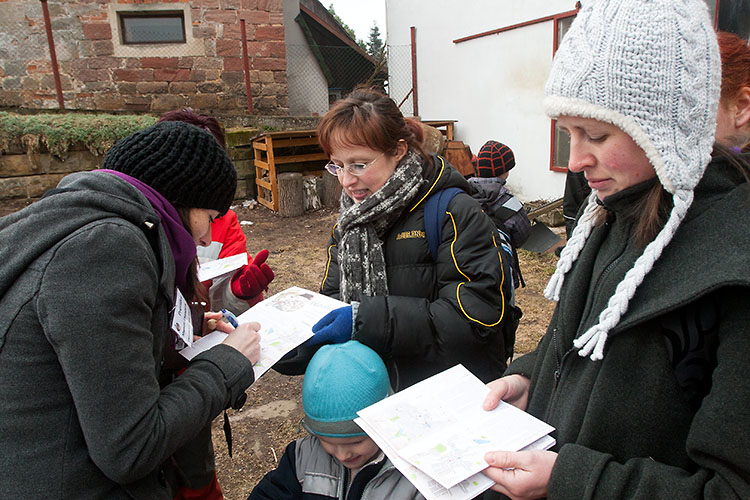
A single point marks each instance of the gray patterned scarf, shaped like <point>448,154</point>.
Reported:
<point>361,225</point>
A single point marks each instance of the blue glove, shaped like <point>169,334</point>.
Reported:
<point>333,328</point>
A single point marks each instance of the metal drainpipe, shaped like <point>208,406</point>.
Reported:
<point>246,64</point>
<point>414,68</point>
<point>53,55</point>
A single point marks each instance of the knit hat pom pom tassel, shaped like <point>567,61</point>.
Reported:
<point>572,249</point>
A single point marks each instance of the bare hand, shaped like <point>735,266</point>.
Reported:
<point>245,338</point>
<point>521,475</point>
<point>513,389</point>
<point>211,322</point>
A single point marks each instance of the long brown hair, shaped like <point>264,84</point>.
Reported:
<point>650,213</point>
<point>368,118</point>
<point>206,122</point>
<point>195,291</point>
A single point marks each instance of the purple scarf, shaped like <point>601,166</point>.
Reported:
<point>180,240</point>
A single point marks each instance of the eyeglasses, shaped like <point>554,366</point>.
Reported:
<point>355,169</point>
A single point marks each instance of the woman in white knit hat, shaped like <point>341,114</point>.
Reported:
<point>644,368</point>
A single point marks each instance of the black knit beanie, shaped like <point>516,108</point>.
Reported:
<point>182,162</point>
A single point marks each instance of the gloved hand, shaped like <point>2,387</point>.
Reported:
<point>333,328</point>
<point>250,280</point>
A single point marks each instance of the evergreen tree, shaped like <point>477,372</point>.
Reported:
<point>375,45</point>
<point>348,30</point>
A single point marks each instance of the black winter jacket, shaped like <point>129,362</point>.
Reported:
<point>577,191</point>
<point>438,313</point>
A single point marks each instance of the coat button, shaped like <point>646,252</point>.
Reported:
<point>240,401</point>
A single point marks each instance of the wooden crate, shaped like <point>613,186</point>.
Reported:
<point>458,154</point>
<point>293,150</point>
<point>444,126</point>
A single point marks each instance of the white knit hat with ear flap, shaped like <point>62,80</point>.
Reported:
<point>651,68</point>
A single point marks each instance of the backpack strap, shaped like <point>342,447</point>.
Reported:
<point>434,213</point>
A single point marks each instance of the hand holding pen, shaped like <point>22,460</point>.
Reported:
<point>245,337</point>
<point>214,320</point>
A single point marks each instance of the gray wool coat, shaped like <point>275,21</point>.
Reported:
<point>86,290</point>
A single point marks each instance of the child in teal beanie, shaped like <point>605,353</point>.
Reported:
<point>337,459</point>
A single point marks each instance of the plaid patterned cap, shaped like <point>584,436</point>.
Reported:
<point>494,159</point>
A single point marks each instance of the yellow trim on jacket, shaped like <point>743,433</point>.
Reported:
<point>429,191</point>
<point>458,288</point>
<point>328,263</point>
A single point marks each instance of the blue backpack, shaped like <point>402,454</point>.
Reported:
<point>434,213</point>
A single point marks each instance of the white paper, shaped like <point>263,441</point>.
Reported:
<point>213,268</point>
<point>431,489</point>
<point>439,426</point>
<point>286,321</point>
<point>203,344</point>
<point>182,320</point>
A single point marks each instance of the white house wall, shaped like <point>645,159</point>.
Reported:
<point>493,86</point>
<point>308,88</point>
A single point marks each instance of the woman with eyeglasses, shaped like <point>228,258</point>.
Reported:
<point>422,315</point>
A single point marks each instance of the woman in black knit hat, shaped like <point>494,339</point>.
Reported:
<point>94,282</point>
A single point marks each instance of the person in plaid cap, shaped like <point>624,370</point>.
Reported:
<point>492,166</point>
<point>495,159</point>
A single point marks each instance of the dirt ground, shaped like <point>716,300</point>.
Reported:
<point>270,418</point>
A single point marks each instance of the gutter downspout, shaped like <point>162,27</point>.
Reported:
<point>414,68</point>
<point>53,54</point>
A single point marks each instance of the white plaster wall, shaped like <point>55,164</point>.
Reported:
<point>492,85</point>
<point>308,88</point>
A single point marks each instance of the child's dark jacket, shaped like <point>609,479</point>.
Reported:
<point>505,210</point>
<point>307,472</point>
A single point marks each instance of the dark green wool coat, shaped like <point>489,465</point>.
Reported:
<point>438,313</point>
<point>666,413</point>
<point>87,286</point>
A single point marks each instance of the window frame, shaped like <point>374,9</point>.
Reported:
<point>123,15</point>
<point>553,123</point>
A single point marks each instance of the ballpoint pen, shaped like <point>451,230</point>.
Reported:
<point>230,318</point>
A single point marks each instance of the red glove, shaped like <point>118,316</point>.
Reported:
<point>250,280</point>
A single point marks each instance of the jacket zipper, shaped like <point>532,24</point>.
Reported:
<point>345,487</point>
<point>369,486</point>
<point>558,356</point>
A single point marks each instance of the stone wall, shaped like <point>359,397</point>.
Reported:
<point>98,72</point>
<point>29,174</point>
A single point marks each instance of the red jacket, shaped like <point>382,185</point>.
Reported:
<point>227,239</point>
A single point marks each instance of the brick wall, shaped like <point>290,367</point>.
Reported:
<point>99,73</point>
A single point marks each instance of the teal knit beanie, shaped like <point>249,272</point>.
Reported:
<point>340,380</point>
